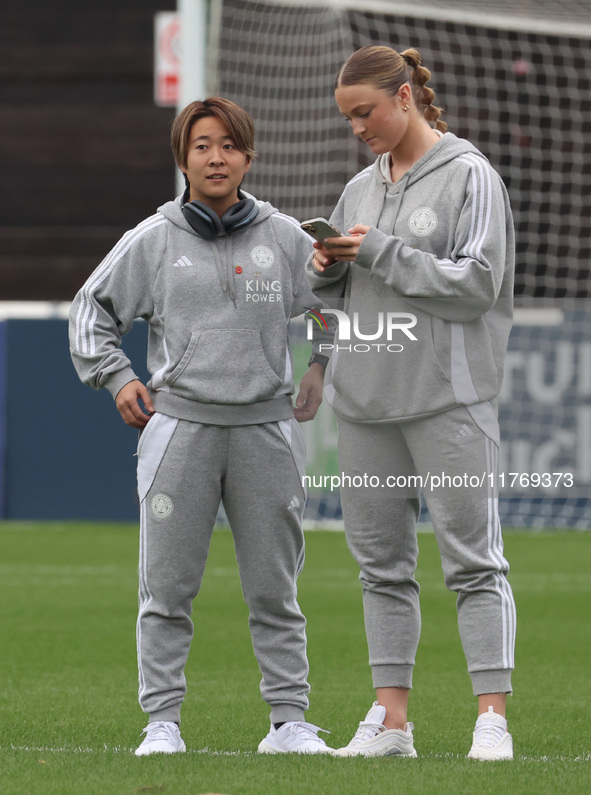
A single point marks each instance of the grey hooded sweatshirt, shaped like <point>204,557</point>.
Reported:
<point>429,298</point>
<point>218,314</point>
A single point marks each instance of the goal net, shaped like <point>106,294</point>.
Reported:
<point>514,78</point>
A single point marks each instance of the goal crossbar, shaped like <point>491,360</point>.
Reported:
<point>506,18</point>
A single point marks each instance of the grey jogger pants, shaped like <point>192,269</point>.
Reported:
<point>380,524</point>
<point>184,469</point>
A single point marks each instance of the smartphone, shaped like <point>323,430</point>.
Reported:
<point>320,229</point>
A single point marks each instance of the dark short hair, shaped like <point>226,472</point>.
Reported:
<point>236,119</point>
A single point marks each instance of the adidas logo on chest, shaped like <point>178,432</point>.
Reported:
<point>183,262</point>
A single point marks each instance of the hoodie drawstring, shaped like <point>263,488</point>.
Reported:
<point>230,267</point>
<point>226,276</point>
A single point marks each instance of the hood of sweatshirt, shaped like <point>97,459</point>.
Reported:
<point>381,205</point>
<point>448,148</point>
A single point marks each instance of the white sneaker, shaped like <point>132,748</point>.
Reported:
<point>373,739</point>
<point>491,738</point>
<point>294,737</point>
<point>162,737</point>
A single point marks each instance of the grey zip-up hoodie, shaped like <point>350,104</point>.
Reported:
<point>430,294</point>
<point>218,314</point>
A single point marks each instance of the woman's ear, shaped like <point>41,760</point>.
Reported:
<point>405,94</point>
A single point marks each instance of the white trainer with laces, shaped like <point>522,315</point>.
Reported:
<point>491,739</point>
<point>162,737</point>
<point>294,737</point>
<point>373,739</point>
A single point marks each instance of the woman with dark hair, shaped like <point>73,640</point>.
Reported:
<point>217,276</point>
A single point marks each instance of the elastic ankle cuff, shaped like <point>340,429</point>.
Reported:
<point>491,682</point>
<point>392,676</point>
<point>282,713</point>
<point>172,714</point>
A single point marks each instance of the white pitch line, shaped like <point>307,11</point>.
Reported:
<point>118,749</point>
<point>44,749</point>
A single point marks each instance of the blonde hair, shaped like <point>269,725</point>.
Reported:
<point>233,117</point>
<point>388,70</point>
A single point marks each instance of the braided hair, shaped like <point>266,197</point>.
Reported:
<point>388,70</point>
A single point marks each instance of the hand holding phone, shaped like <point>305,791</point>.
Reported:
<point>320,229</point>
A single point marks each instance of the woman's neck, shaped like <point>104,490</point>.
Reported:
<point>411,148</point>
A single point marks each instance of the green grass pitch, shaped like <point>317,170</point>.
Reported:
<point>69,717</point>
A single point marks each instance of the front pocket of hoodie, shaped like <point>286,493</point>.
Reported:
<point>440,349</point>
<point>371,385</point>
<point>224,366</point>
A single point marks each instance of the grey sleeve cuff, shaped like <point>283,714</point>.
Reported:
<point>370,248</point>
<point>115,382</point>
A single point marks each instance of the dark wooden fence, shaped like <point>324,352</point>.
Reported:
<point>84,152</point>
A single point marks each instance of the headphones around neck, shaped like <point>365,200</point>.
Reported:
<point>208,224</point>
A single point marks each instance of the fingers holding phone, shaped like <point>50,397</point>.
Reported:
<point>322,258</point>
<point>331,245</point>
<point>346,248</point>
<point>321,230</point>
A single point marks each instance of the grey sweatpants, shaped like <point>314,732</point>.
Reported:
<point>184,469</point>
<point>380,524</point>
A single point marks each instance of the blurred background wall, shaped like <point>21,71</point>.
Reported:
<point>84,151</point>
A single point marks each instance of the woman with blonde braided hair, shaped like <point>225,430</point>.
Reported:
<point>421,282</point>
